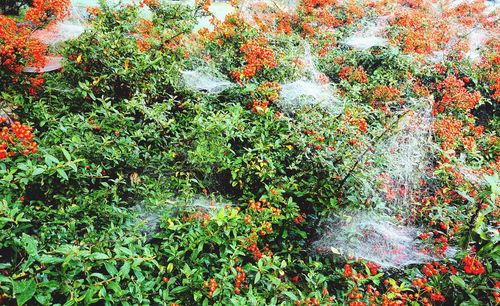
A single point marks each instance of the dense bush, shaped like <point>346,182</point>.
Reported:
<point>121,185</point>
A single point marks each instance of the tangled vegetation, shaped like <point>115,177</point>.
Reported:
<point>121,184</point>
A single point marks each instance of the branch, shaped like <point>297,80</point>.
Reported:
<point>349,173</point>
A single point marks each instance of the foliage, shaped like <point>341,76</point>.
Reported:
<point>121,185</point>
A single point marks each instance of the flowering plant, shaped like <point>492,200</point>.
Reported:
<point>297,168</point>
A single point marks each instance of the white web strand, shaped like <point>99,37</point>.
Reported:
<point>200,81</point>
<point>402,162</point>
<point>370,36</point>
<point>309,90</point>
<point>374,238</point>
<point>406,154</point>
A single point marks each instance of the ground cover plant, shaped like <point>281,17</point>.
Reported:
<point>311,153</point>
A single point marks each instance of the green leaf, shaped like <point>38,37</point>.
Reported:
<point>43,299</point>
<point>472,302</point>
<point>38,171</point>
<point>99,256</point>
<point>24,290</point>
<point>221,214</point>
<point>49,160</point>
<point>170,267</point>
<point>62,173</point>
<point>98,275</point>
<point>179,289</point>
<point>197,295</point>
<point>47,259</point>
<point>458,281</point>
<point>23,167</point>
<point>479,222</point>
<point>29,244</point>
<point>257,278</point>
<point>110,267</point>
<point>116,288</point>
<point>66,154</point>
<point>290,295</point>
<point>125,269</point>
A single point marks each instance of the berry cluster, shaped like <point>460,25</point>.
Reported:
<point>257,56</point>
<point>44,11</point>
<point>17,49</point>
<point>383,94</point>
<point>455,95</point>
<point>240,279</point>
<point>265,94</point>
<point>16,138</point>
<point>450,130</point>
<point>353,74</point>
<point>418,31</point>
<point>211,285</point>
<point>472,265</point>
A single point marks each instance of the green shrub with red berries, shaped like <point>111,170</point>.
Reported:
<point>122,185</point>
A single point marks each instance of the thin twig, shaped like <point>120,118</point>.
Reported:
<point>349,173</point>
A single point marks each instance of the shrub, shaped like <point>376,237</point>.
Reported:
<point>121,185</point>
